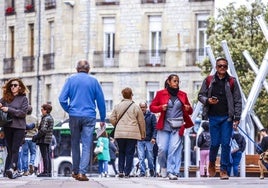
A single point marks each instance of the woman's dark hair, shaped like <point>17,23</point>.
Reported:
<point>7,93</point>
<point>47,107</point>
<point>169,79</point>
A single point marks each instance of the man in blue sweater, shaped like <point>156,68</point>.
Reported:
<point>79,96</point>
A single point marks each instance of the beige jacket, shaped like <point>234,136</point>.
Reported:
<point>132,124</point>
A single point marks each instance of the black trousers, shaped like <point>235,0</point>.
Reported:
<point>14,138</point>
<point>44,149</point>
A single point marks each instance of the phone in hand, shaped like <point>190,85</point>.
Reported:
<point>214,98</point>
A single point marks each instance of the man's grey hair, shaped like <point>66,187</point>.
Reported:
<point>82,66</point>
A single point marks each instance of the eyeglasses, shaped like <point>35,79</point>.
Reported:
<point>14,85</point>
<point>222,66</point>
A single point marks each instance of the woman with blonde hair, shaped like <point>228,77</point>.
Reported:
<point>15,103</point>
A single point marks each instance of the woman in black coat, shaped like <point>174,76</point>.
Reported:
<point>15,103</point>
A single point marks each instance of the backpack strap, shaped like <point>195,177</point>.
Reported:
<point>231,81</point>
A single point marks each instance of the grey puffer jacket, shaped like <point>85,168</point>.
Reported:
<point>45,130</point>
<point>234,99</point>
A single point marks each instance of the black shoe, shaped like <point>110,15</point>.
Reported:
<point>152,173</point>
<point>44,175</point>
<point>9,173</point>
<point>121,175</point>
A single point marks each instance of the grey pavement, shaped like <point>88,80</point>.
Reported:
<point>134,182</point>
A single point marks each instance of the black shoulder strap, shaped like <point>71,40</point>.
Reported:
<point>124,112</point>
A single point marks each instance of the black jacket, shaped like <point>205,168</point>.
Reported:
<point>150,122</point>
<point>45,130</point>
<point>240,141</point>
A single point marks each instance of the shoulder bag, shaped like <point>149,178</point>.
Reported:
<point>112,132</point>
<point>5,119</point>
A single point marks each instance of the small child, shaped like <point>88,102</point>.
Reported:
<point>3,150</point>
<point>104,156</point>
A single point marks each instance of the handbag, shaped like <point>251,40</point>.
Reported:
<point>98,149</point>
<point>5,119</point>
<point>112,132</point>
<point>234,146</point>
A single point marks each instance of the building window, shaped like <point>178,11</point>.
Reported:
<point>201,40</point>
<point>48,93</point>
<point>151,89</point>
<point>50,4</point>
<point>48,59</point>
<point>10,7</point>
<point>11,42</point>
<point>29,6</point>
<point>155,27</point>
<point>107,88</point>
<point>29,95</point>
<point>109,41</point>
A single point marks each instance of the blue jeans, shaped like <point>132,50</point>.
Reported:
<point>235,161</point>
<point>103,166</point>
<point>145,150</point>
<point>221,134</point>
<point>29,145</point>
<point>169,151</point>
<point>82,129</point>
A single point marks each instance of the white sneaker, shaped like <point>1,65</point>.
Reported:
<point>163,172</point>
<point>172,176</point>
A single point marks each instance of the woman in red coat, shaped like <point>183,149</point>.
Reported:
<point>175,110</point>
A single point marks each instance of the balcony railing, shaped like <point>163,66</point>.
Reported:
<point>48,61</point>
<point>28,64</point>
<point>152,1</point>
<point>8,66</point>
<point>104,59</point>
<point>107,2</point>
<point>195,56</point>
<point>50,4</point>
<point>152,58</point>
<point>29,8</point>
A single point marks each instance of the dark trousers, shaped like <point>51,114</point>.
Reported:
<point>112,162</point>
<point>44,149</point>
<point>14,139</point>
<point>126,154</point>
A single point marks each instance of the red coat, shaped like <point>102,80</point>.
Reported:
<point>162,98</point>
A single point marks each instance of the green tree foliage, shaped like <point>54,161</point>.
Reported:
<point>240,28</point>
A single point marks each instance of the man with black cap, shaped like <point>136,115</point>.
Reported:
<point>221,97</point>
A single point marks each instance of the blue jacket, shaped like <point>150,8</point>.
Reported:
<point>150,122</point>
<point>79,95</point>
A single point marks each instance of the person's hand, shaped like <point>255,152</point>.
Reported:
<point>4,109</point>
<point>164,107</point>
<point>153,141</point>
<point>235,125</point>
<point>187,107</point>
<point>181,131</point>
<point>212,100</point>
<point>102,124</point>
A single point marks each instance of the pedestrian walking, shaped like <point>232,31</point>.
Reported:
<point>79,97</point>
<point>145,146</point>
<point>221,97</point>
<point>130,127</point>
<point>175,110</point>
<point>15,103</point>
<point>203,142</point>
<point>237,154</point>
<point>43,139</point>
<point>29,146</point>
<point>113,150</point>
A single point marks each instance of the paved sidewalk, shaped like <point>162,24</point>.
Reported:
<point>95,182</point>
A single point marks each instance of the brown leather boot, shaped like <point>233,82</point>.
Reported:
<point>211,169</point>
<point>223,175</point>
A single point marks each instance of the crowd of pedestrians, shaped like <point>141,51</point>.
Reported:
<point>156,140</point>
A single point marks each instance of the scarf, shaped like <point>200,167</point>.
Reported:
<point>173,91</point>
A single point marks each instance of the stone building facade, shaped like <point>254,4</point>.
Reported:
<point>129,43</point>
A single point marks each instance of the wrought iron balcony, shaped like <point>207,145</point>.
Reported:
<point>107,2</point>
<point>152,1</point>
<point>195,56</point>
<point>105,59</point>
<point>10,11</point>
<point>48,61</point>
<point>152,58</point>
<point>50,4</point>
<point>28,64</point>
<point>8,66</point>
